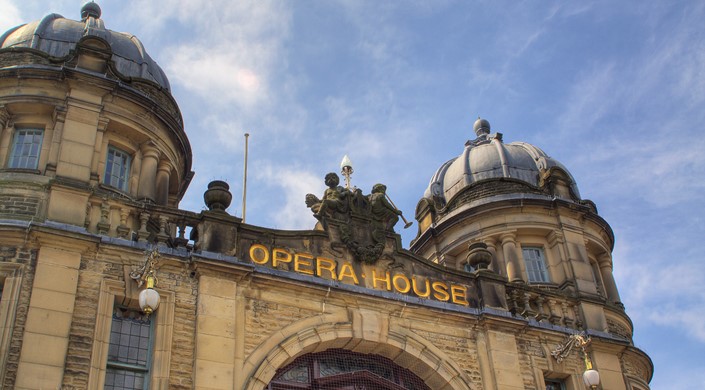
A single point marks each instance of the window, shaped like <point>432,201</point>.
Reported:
<point>129,353</point>
<point>553,384</point>
<point>535,265</point>
<point>26,146</point>
<point>117,168</point>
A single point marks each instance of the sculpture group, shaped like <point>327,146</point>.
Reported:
<point>363,220</point>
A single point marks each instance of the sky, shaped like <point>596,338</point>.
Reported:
<point>615,90</point>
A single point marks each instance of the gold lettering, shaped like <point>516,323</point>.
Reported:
<point>323,264</point>
<point>262,257</point>
<point>459,294</point>
<point>280,256</point>
<point>403,289</point>
<point>347,271</point>
<point>305,260</point>
<point>386,279</point>
<point>424,294</point>
<point>440,291</point>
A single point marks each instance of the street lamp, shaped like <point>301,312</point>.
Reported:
<point>346,169</point>
<point>145,275</point>
<point>591,377</point>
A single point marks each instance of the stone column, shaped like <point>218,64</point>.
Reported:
<point>5,136</point>
<point>509,248</point>
<point>163,176</point>
<point>148,173</point>
<point>605,264</point>
<point>497,265</point>
<point>97,149</point>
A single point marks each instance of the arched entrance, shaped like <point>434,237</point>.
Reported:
<point>338,369</point>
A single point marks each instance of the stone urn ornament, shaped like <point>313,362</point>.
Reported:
<point>479,256</point>
<point>217,196</point>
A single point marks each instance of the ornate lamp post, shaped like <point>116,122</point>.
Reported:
<point>346,169</point>
<point>145,275</point>
<point>591,377</point>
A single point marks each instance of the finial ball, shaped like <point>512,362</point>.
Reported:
<point>92,9</point>
<point>481,126</point>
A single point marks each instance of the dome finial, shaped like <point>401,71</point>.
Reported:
<point>90,9</point>
<point>481,126</point>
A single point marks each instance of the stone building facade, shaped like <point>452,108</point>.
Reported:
<point>509,261</point>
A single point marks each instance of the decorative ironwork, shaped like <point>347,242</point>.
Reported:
<point>563,350</point>
<point>141,274</point>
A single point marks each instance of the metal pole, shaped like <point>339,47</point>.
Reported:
<point>244,181</point>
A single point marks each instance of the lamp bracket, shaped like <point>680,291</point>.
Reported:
<point>561,351</point>
<point>147,269</point>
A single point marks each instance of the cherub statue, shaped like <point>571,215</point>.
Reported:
<point>334,198</point>
<point>381,209</point>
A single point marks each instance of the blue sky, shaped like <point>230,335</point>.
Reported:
<point>613,90</point>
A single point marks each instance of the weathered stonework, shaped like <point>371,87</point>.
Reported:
<point>462,309</point>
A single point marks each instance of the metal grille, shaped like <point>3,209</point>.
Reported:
<point>337,369</point>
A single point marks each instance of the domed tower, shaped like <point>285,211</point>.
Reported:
<point>85,111</point>
<point>546,242</point>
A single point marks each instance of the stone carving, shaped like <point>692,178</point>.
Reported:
<point>360,222</point>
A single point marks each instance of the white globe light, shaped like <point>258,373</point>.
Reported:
<point>346,162</point>
<point>149,300</point>
<point>591,378</point>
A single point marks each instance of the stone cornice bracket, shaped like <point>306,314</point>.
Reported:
<point>103,124</point>
<point>59,114</point>
<point>554,238</point>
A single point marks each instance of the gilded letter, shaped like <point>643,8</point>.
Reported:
<point>263,257</point>
<point>405,287</point>
<point>386,279</point>
<point>324,264</point>
<point>424,294</point>
<point>280,256</point>
<point>440,291</point>
<point>347,271</point>
<point>305,260</point>
<point>459,294</point>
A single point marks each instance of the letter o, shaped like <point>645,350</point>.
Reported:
<point>403,277</point>
<point>259,248</point>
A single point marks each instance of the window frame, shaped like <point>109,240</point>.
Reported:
<point>126,170</point>
<point>541,262</point>
<point>114,292</point>
<point>13,149</point>
<point>145,369</point>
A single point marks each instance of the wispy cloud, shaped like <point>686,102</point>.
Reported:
<point>9,15</point>
<point>292,184</point>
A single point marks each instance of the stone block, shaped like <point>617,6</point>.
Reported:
<point>56,278</point>
<point>48,322</point>
<point>215,348</point>
<point>214,306</point>
<point>208,285</point>
<point>44,349</point>
<point>213,375</point>
<point>52,300</point>
<point>38,376</point>
<point>216,326</point>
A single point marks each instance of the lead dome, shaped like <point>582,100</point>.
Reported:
<point>490,171</point>
<point>58,37</point>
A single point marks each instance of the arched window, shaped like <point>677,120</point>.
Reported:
<point>338,369</point>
